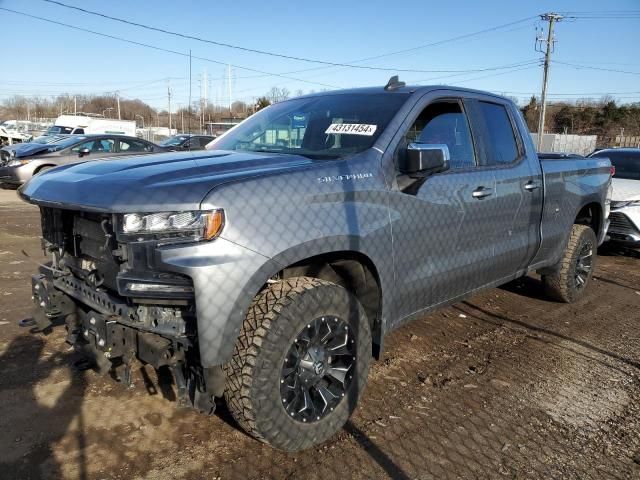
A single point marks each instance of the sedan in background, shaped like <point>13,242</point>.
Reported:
<point>8,151</point>
<point>21,165</point>
<point>625,197</point>
<point>187,142</point>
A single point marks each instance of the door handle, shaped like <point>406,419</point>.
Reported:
<point>482,192</point>
<point>531,186</point>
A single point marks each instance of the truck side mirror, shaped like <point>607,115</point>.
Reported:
<point>83,151</point>
<point>425,158</point>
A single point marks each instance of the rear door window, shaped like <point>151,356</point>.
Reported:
<point>134,146</point>
<point>500,140</point>
<point>204,141</point>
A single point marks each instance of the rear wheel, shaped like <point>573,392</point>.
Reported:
<point>300,363</point>
<point>570,279</point>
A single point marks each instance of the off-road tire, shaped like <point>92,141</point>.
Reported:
<point>561,284</point>
<point>275,318</point>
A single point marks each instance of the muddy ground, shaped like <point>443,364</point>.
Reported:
<point>504,385</point>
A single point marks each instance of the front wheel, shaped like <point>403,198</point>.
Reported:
<point>300,363</point>
<point>570,279</point>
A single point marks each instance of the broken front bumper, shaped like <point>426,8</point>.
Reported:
<point>107,326</point>
<point>111,333</point>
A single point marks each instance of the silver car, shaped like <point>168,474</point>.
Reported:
<point>625,198</point>
<point>17,166</point>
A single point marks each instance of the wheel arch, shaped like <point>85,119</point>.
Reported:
<point>591,214</point>
<point>44,166</point>
<point>352,270</point>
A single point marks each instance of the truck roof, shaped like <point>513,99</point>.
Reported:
<point>406,89</point>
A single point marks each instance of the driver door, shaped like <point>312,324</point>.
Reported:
<point>442,223</point>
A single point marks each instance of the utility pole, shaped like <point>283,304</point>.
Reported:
<point>229,84</point>
<point>169,99</point>
<point>118,99</point>
<point>205,85</point>
<point>75,105</point>
<point>552,18</point>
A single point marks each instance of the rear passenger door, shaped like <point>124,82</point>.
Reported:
<point>519,183</point>
<point>443,224</point>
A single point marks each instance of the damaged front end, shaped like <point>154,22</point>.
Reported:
<point>116,306</point>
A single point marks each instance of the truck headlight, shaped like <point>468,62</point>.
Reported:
<point>201,225</point>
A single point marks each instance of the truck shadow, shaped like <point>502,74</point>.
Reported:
<point>527,286</point>
<point>498,319</point>
<point>28,452</point>
<point>615,250</point>
<point>375,452</point>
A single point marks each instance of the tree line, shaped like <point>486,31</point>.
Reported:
<point>605,117</point>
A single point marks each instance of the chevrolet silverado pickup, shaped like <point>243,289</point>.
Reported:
<point>269,269</point>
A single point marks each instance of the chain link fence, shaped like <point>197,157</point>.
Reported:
<point>282,277</point>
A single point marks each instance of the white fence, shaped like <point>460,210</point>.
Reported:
<point>560,142</point>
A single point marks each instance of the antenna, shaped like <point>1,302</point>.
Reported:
<point>394,83</point>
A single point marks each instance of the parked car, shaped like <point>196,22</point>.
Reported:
<point>271,268</point>
<point>33,158</point>
<point>625,198</point>
<point>10,135</point>
<point>10,151</point>
<point>187,142</point>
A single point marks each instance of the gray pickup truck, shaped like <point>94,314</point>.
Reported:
<point>269,269</point>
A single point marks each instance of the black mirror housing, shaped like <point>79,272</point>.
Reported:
<point>425,158</point>
<point>83,151</point>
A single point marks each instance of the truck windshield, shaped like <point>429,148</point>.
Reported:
<point>328,126</point>
<point>627,164</point>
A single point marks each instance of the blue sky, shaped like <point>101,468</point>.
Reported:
<point>53,59</point>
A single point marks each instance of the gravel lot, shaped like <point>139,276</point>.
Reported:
<point>504,385</point>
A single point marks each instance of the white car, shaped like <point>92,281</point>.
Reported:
<point>625,198</point>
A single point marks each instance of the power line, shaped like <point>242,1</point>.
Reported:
<point>292,57</point>
<point>138,83</point>
<point>399,52</point>
<point>574,94</point>
<point>141,44</point>
<point>516,66</point>
<point>575,65</point>
<point>599,15</point>
<point>459,74</point>
<point>495,74</point>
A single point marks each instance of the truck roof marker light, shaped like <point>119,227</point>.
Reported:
<point>214,224</point>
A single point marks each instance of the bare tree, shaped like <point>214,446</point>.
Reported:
<point>278,94</point>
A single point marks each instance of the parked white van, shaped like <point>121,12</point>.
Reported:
<point>80,124</point>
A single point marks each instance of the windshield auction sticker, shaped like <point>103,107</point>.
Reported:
<point>351,129</point>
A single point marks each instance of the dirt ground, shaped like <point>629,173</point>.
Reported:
<point>505,385</point>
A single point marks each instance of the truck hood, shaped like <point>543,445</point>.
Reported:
<point>150,183</point>
<point>625,190</point>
